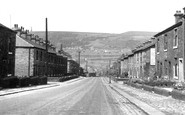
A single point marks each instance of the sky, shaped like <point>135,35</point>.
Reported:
<point>107,16</point>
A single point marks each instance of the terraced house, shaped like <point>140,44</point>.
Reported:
<point>31,58</point>
<point>141,62</point>
<point>170,50</point>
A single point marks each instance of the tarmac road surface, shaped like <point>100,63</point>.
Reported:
<point>88,96</point>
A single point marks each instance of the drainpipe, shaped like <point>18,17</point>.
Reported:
<point>183,36</point>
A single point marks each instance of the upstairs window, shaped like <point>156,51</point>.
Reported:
<point>41,56</point>
<point>37,55</point>
<point>165,42</point>
<point>175,40</point>
<point>158,45</point>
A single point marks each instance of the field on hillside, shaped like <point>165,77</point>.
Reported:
<point>97,48</point>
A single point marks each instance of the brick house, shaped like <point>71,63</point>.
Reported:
<point>170,50</point>
<point>148,60</point>
<point>31,58</point>
<point>140,63</point>
<point>7,56</point>
<point>124,65</point>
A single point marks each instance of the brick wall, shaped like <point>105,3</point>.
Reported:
<point>165,59</point>
<point>22,62</point>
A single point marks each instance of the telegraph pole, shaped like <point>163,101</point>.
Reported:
<point>46,47</point>
<point>109,72</point>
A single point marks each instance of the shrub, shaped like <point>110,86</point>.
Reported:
<point>179,86</point>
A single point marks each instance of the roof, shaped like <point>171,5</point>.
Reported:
<point>168,29</point>
<point>1,25</point>
<point>35,45</point>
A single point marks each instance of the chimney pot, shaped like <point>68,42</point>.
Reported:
<point>16,26</point>
<point>178,16</point>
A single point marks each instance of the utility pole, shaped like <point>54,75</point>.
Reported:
<point>46,47</point>
<point>109,72</point>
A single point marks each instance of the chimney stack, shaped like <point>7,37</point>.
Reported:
<point>178,16</point>
<point>16,26</point>
<point>17,29</point>
<point>184,10</point>
<point>37,39</point>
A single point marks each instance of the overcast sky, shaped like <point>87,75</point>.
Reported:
<point>109,16</point>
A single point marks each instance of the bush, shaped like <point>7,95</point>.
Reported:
<point>166,83</point>
<point>179,86</point>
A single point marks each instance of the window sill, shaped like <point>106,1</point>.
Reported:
<point>175,47</point>
<point>176,77</point>
<point>10,53</point>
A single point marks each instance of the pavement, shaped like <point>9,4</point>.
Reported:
<point>165,104</point>
<point>10,91</point>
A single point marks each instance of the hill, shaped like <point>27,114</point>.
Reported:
<point>96,47</point>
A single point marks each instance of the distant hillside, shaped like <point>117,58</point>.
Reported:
<point>98,48</point>
<point>96,40</point>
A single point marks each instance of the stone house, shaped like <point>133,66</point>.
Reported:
<point>31,58</point>
<point>170,50</point>
<point>7,56</point>
<point>148,60</point>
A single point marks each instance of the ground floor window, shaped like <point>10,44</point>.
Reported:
<point>175,68</point>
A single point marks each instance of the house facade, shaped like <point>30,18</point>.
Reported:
<point>32,60</point>
<point>170,50</point>
<point>141,62</point>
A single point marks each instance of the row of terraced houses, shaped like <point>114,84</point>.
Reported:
<point>24,60</point>
<point>161,57</point>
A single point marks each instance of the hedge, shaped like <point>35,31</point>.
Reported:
<point>161,91</point>
<point>177,94</point>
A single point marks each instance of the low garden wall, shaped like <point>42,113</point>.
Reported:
<point>160,89</point>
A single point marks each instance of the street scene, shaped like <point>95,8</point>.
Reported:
<point>100,57</point>
<point>87,96</point>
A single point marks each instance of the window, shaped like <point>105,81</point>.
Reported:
<point>41,55</point>
<point>166,67</point>
<point>165,42</point>
<point>175,40</point>
<point>169,68</point>
<point>37,55</point>
<point>158,46</point>
<point>175,69</point>
<point>10,48</point>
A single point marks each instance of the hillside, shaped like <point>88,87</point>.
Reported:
<point>96,47</point>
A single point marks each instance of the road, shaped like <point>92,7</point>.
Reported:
<point>88,96</point>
